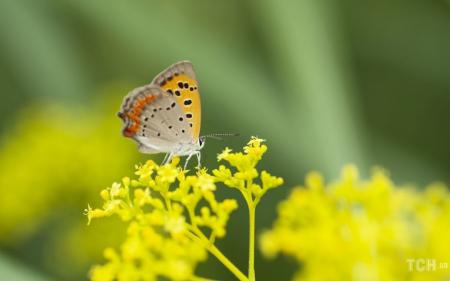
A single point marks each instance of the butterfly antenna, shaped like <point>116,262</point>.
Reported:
<point>218,136</point>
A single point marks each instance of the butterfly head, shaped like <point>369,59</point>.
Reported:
<point>201,141</point>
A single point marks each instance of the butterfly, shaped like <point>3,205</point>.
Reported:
<point>165,115</point>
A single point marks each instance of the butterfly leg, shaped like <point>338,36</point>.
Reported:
<point>165,158</point>
<point>187,160</point>
<point>168,158</point>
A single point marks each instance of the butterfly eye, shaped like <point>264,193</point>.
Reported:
<point>201,142</point>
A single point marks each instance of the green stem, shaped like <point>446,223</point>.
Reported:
<point>226,262</point>
<point>251,241</point>
<point>202,239</point>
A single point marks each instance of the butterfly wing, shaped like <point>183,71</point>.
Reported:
<point>154,119</point>
<point>179,80</point>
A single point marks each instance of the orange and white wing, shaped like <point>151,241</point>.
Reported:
<point>179,80</point>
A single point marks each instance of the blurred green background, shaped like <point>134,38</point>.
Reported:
<point>325,82</point>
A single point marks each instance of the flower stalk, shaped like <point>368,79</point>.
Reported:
<point>226,262</point>
<point>251,241</point>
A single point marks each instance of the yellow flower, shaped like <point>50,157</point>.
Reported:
<point>255,149</point>
<point>269,181</point>
<point>104,194</point>
<point>116,190</point>
<point>174,225</point>
<point>224,154</point>
<point>361,230</point>
<point>167,174</point>
<point>314,181</point>
<point>145,172</point>
<point>95,213</point>
<point>204,181</point>
<point>245,164</point>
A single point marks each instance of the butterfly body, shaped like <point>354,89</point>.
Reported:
<point>164,116</point>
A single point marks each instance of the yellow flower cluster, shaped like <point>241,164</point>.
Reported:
<point>169,213</point>
<point>242,179</point>
<point>246,172</point>
<point>174,218</point>
<point>363,230</point>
